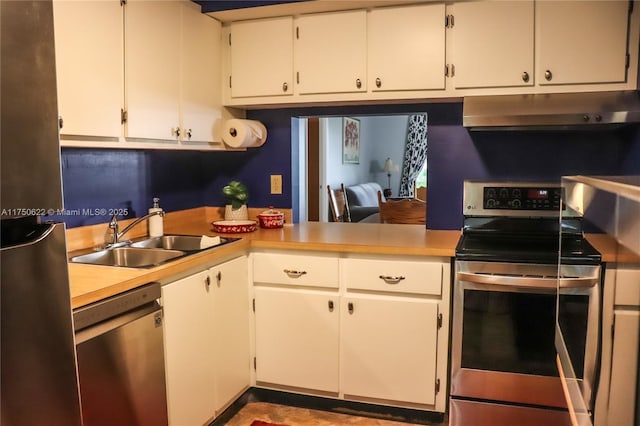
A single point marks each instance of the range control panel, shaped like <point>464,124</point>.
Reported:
<point>522,198</point>
<point>513,199</point>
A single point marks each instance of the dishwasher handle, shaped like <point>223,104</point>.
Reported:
<point>151,310</point>
<point>115,306</point>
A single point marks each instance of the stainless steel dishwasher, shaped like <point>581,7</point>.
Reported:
<point>119,344</point>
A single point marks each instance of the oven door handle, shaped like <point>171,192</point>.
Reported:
<point>527,281</point>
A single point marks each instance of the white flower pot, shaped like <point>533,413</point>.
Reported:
<point>239,214</point>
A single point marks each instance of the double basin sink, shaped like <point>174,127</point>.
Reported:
<point>151,251</point>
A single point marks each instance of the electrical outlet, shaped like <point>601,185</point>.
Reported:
<point>276,184</point>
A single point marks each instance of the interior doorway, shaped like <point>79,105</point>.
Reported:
<point>313,169</point>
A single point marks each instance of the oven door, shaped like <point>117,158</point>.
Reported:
<point>503,331</point>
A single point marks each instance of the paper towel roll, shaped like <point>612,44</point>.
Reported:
<point>240,133</point>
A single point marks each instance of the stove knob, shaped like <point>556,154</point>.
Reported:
<point>491,203</point>
<point>504,193</point>
<point>516,193</point>
<point>516,204</point>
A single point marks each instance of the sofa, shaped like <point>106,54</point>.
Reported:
<point>363,200</point>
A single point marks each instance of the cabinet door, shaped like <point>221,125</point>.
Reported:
<point>231,316</point>
<point>152,69</point>
<point>624,371</point>
<point>581,41</point>
<point>262,57</point>
<point>330,52</point>
<point>89,67</point>
<point>297,338</point>
<point>406,48</point>
<point>200,101</point>
<point>389,348</point>
<point>492,44</point>
<point>189,349</point>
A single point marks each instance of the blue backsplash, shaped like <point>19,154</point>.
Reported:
<point>129,179</point>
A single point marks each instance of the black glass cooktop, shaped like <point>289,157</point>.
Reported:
<point>524,241</point>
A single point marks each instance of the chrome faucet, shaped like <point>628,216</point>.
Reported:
<point>113,234</point>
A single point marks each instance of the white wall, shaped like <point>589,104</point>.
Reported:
<point>388,135</point>
<point>380,137</point>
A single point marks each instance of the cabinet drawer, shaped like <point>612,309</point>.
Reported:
<point>295,269</point>
<point>394,276</point>
<point>627,287</point>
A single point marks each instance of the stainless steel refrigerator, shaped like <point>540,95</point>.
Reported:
<point>38,373</point>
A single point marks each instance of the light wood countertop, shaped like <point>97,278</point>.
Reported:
<point>611,251</point>
<point>91,283</point>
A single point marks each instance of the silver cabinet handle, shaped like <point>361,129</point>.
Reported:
<point>293,273</point>
<point>350,307</point>
<point>219,277</point>
<point>525,77</point>
<point>285,86</point>
<point>207,282</point>
<point>189,133</point>
<point>391,280</point>
<point>358,83</point>
<point>548,75</point>
<point>330,305</point>
<point>176,132</point>
<point>378,82</point>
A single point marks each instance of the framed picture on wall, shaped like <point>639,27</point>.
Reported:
<point>350,141</point>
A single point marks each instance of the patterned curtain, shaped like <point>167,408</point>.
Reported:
<point>415,153</point>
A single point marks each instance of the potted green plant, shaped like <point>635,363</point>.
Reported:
<point>237,195</point>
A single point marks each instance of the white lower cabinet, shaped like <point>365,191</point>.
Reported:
<point>377,331</point>
<point>206,332</point>
<point>388,348</point>
<point>231,319</point>
<point>616,397</point>
<point>296,320</point>
<point>297,338</point>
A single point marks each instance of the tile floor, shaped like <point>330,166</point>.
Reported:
<point>293,416</point>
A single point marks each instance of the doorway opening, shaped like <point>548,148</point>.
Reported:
<point>320,159</point>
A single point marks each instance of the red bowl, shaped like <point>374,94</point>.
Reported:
<point>271,219</point>
<point>234,226</point>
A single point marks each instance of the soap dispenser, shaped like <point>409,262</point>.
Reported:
<point>155,221</point>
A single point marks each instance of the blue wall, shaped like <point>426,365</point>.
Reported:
<point>96,178</point>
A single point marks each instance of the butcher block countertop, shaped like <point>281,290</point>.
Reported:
<point>91,283</point>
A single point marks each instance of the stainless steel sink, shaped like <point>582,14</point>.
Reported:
<point>172,242</point>
<point>132,257</point>
<point>149,252</point>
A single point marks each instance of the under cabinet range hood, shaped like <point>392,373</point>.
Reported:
<point>553,111</point>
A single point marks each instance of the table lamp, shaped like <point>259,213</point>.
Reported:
<point>389,167</point>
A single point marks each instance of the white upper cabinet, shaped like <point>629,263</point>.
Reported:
<point>262,57</point>
<point>406,48</point>
<point>200,107</point>
<point>581,42</point>
<point>152,69</point>
<point>89,66</point>
<point>492,44</point>
<point>330,53</point>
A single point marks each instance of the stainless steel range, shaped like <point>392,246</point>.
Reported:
<point>503,357</point>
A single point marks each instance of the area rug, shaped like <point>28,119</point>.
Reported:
<point>262,423</point>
